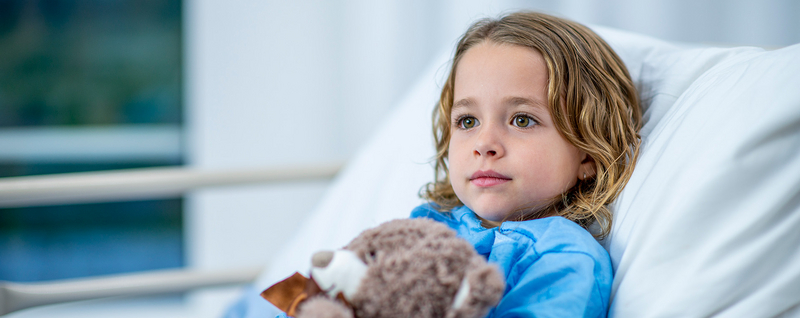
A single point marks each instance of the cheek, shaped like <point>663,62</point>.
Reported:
<point>455,153</point>
<point>456,164</point>
<point>553,162</point>
<point>566,162</point>
<point>456,142</point>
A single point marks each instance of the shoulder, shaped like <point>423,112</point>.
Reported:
<point>431,211</point>
<point>555,244</point>
<point>556,235</point>
<point>460,219</point>
<point>557,262</point>
<point>426,210</point>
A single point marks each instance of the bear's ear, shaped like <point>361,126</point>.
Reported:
<point>480,290</point>
<point>321,307</point>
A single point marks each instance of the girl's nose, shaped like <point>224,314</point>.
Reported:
<point>488,143</point>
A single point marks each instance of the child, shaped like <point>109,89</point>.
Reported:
<point>536,132</point>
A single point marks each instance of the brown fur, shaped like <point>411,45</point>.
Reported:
<point>323,308</point>
<point>415,268</point>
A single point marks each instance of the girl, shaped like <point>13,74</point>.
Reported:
<point>536,133</point>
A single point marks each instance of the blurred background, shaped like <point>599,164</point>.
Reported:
<point>90,85</point>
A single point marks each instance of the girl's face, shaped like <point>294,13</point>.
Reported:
<point>505,152</point>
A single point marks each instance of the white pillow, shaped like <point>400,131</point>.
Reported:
<point>709,223</point>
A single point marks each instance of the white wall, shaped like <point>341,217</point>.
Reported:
<point>277,82</point>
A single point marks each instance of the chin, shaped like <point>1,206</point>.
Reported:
<point>491,215</point>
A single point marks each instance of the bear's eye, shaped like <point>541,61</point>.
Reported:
<point>370,256</point>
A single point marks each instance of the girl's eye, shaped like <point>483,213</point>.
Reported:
<point>467,122</point>
<point>523,121</point>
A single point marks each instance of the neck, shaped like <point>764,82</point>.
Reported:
<point>525,214</point>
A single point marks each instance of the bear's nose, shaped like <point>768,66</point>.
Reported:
<point>321,259</point>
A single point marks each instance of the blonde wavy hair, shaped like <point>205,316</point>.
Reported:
<point>591,98</point>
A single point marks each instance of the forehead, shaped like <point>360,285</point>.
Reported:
<point>491,72</point>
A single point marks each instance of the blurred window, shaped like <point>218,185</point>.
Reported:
<point>90,85</point>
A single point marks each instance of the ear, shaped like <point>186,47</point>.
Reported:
<point>586,170</point>
<point>484,287</point>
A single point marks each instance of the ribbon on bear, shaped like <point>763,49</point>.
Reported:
<point>291,292</point>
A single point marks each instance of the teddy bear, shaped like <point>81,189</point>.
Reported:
<point>401,268</point>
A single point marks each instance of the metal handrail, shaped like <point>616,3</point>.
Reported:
<point>17,296</point>
<point>144,183</point>
<point>133,184</point>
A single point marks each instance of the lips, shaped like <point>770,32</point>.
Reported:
<point>488,178</point>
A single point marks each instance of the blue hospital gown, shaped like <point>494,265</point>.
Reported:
<point>552,266</point>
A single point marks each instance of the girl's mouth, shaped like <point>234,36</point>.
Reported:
<point>488,178</point>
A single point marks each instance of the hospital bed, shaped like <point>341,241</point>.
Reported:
<point>707,225</point>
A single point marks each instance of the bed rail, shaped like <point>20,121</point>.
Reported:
<point>17,296</point>
<point>144,183</point>
<point>133,184</point>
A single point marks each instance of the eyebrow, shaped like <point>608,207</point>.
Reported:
<point>509,101</point>
<point>462,103</point>
<point>517,101</point>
